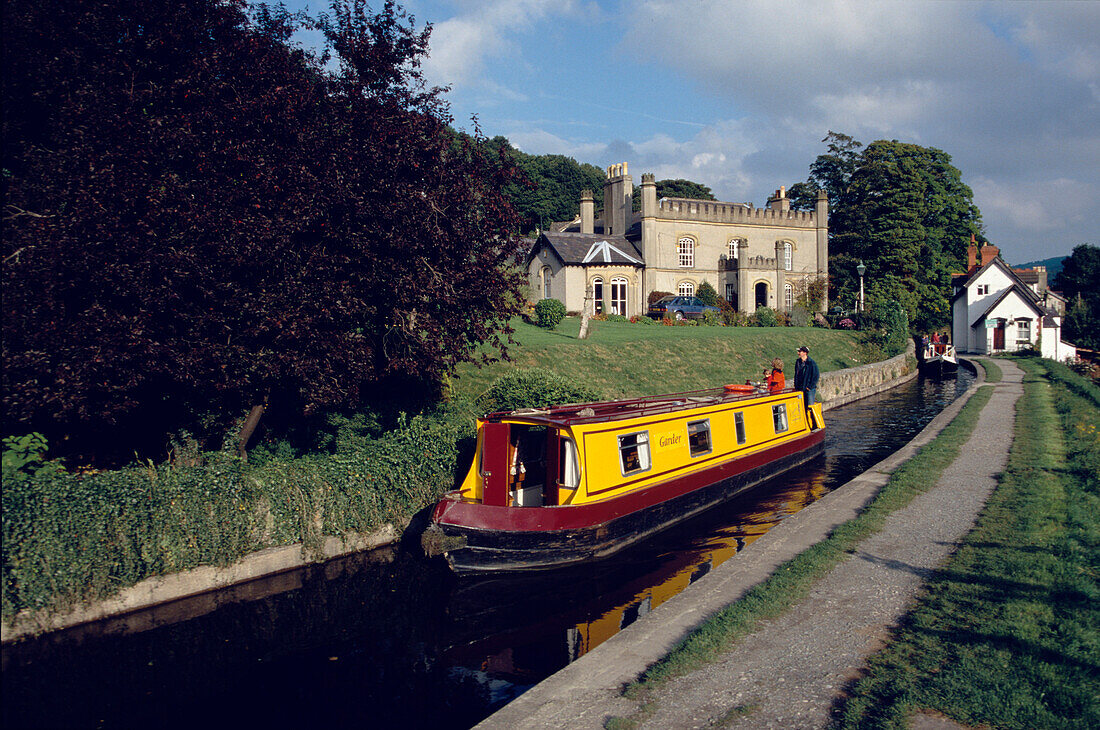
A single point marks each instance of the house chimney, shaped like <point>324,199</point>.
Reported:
<point>780,201</point>
<point>588,212</point>
<point>972,255</point>
<point>989,253</point>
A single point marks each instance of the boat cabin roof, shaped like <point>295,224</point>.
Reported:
<point>612,410</point>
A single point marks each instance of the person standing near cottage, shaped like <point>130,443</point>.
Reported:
<point>806,375</point>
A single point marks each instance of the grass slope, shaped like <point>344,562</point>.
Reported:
<point>621,359</point>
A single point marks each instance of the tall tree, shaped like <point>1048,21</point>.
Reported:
<point>904,211</point>
<point>548,187</point>
<point>1079,282</point>
<point>200,217</point>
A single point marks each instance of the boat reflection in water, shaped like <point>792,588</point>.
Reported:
<point>541,622</point>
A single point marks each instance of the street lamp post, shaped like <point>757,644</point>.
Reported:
<point>861,270</point>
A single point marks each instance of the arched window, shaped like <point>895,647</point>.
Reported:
<point>597,294</point>
<point>788,256</point>
<point>734,245</point>
<point>788,296</point>
<point>686,248</point>
<point>686,289</point>
<point>546,276</point>
<point>618,295</point>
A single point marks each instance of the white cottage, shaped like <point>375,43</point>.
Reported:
<point>993,310</point>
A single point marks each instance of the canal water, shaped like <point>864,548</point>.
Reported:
<point>387,639</point>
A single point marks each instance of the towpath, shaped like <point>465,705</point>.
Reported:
<point>790,671</point>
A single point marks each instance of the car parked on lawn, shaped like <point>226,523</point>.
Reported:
<point>678,307</point>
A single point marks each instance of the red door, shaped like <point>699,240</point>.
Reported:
<point>494,464</point>
<point>999,336</point>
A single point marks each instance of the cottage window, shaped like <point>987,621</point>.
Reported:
<point>597,294</point>
<point>779,417</point>
<point>739,425</point>
<point>634,452</point>
<point>1023,331</point>
<point>546,276</point>
<point>686,248</point>
<point>788,257</point>
<point>983,289</point>
<point>788,296</point>
<point>733,246</point>
<point>686,289</point>
<point>699,437</point>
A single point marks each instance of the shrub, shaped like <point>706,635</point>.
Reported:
<point>655,295</point>
<point>712,319</point>
<point>616,318</point>
<point>846,324</point>
<point>730,316</point>
<point>707,294</point>
<point>533,388</point>
<point>800,316</point>
<point>765,317</point>
<point>642,319</point>
<point>550,313</point>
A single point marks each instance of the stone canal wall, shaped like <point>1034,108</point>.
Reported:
<point>835,389</point>
<point>838,387</point>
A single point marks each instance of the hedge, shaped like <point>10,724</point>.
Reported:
<point>74,538</point>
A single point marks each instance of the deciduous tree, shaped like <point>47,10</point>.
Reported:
<point>1079,282</point>
<point>904,211</point>
<point>200,217</point>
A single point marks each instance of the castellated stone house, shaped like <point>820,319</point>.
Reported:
<point>752,256</point>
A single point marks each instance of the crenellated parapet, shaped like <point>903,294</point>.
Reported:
<point>685,209</point>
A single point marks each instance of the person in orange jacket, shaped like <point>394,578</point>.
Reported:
<point>775,378</point>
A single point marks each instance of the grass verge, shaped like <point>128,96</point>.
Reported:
<point>792,581</point>
<point>1008,633</point>
<point>992,372</point>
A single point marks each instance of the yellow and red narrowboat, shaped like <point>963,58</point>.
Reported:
<point>565,484</point>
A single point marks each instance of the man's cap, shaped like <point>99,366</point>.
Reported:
<point>803,349</point>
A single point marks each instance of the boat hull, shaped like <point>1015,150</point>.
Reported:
<point>941,366</point>
<point>499,538</point>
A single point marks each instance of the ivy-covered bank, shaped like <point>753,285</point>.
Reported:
<point>72,538</point>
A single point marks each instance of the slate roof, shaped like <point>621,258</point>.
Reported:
<point>591,248</point>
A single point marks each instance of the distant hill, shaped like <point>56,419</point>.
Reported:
<point>1053,265</point>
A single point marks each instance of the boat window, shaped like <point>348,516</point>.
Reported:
<point>699,437</point>
<point>634,452</point>
<point>569,469</point>
<point>779,416</point>
<point>739,424</point>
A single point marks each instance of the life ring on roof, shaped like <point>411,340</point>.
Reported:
<point>739,388</point>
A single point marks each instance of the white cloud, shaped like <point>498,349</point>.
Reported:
<point>1038,206</point>
<point>462,45</point>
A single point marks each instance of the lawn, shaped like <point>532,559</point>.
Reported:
<point>621,359</point>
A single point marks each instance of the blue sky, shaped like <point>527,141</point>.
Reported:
<point>737,94</point>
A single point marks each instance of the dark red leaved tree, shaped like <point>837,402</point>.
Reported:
<point>200,218</point>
